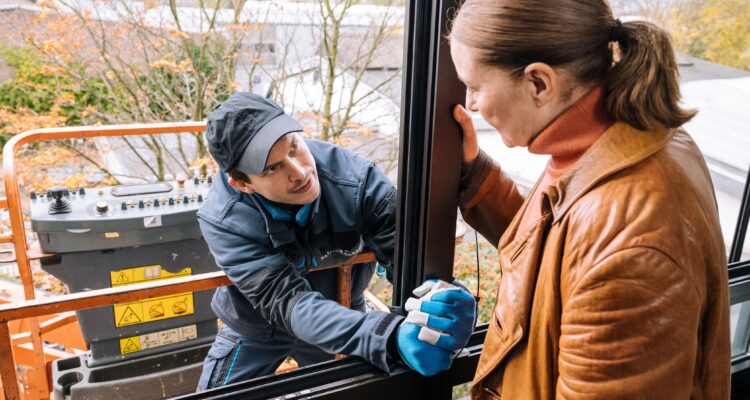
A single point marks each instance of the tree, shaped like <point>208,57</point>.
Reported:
<point>350,84</point>
<point>135,68</point>
<point>127,62</point>
<point>335,118</point>
<point>715,30</point>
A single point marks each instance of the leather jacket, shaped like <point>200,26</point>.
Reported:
<point>619,290</point>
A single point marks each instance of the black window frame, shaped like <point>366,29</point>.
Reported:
<point>739,293</point>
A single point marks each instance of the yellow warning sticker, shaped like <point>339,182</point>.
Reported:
<point>144,274</point>
<point>157,339</point>
<point>153,309</point>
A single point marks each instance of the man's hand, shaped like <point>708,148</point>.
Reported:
<point>439,322</point>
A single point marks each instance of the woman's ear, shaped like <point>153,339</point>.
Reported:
<point>542,83</point>
<point>242,186</point>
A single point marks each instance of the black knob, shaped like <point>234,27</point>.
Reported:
<point>185,200</point>
<point>102,207</point>
<point>59,205</point>
<point>200,198</point>
<point>196,181</point>
<point>57,192</point>
<point>171,201</point>
<point>209,180</point>
<point>140,204</point>
<point>123,206</point>
<point>81,190</point>
<point>156,202</point>
<point>32,194</point>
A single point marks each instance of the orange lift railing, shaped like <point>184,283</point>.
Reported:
<point>38,385</point>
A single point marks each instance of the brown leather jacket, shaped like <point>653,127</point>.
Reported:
<point>619,290</point>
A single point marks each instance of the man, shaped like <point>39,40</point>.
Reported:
<point>282,205</point>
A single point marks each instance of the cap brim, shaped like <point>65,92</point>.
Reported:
<point>253,160</point>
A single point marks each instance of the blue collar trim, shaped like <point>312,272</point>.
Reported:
<point>301,217</point>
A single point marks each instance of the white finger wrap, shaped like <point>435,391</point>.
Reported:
<point>439,286</point>
<point>429,335</point>
<point>424,288</point>
<point>417,318</point>
<point>413,304</point>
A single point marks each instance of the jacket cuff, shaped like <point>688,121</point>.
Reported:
<point>472,184</point>
<point>389,328</point>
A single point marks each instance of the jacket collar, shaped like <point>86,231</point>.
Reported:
<point>280,228</point>
<point>620,147</point>
<point>301,217</point>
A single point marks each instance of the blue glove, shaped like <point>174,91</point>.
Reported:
<point>447,312</point>
<point>439,322</point>
<point>423,357</point>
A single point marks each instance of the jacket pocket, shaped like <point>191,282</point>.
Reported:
<point>217,362</point>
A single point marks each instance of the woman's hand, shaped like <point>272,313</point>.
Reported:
<point>471,148</point>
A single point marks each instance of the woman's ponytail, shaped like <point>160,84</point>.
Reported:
<point>643,84</point>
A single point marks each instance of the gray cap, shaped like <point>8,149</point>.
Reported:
<point>241,131</point>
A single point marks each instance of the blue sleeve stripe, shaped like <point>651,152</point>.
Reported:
<point>229,372</point>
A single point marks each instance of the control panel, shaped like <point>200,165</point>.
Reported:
<point>83,219</point>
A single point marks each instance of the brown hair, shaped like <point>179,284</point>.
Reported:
<point>642,85</point>
<point>239,176</point>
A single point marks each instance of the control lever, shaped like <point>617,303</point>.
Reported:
<point>59,204</point>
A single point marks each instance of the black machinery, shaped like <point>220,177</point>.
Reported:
<point>122,235</point>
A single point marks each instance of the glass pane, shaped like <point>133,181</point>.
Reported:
<point>739,319</point>
<point>480,275</point>
<point>333,65</point>
<point>461,392</point>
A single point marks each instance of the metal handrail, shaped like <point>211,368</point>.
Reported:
<point>121,294</point>
<point>23,254</point>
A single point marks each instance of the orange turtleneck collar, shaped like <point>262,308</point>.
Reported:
<point>565,140</point>
<point>573,132</point>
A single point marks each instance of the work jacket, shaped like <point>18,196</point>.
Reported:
<point>268,257</point>
<point>619,289</point>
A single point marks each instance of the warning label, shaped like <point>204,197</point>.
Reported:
<point>157,339</point>
<point>153,309</point>
<point>144,274</point>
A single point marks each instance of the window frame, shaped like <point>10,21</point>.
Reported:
<point>740,230</point>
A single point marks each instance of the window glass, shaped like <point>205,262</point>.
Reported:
<point>335,66</point>
<point>739,317</point>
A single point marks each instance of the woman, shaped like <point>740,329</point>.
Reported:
<point>614,281</point>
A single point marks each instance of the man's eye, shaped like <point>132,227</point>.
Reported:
<point>271,169</point>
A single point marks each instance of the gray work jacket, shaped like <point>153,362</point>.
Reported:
<point>268,258</point>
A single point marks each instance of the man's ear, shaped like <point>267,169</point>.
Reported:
<point>242,186</point>
<point>542,83</point>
